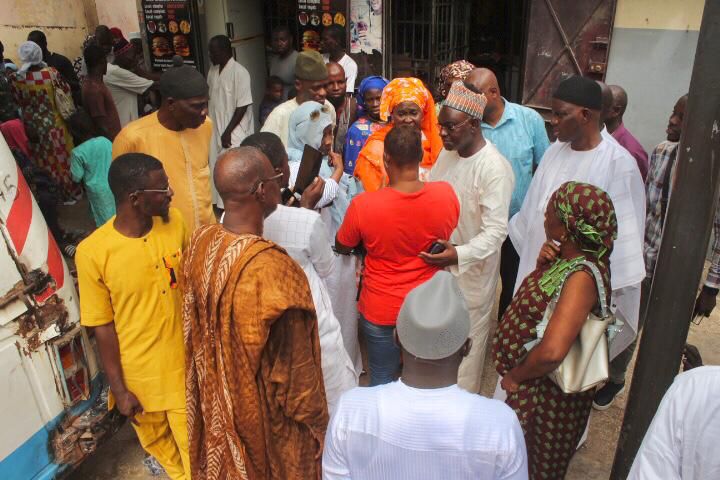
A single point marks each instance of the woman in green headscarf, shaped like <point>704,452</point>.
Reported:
<point>580,224</point>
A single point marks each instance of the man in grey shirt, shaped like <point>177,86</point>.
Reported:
<point>282,63</point>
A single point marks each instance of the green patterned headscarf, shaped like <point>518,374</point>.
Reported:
<point>589,216</point>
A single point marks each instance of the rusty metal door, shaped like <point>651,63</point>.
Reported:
<point>564,38</point>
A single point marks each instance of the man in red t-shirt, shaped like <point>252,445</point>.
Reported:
<point>395,224</point>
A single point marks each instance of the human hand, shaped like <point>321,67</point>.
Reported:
<point>335,160</point>
<point>226,139</point>
<point>128,405</point>
<point>548,253</point>
<point>691,357</point>
<point>443,259</point>
<point>312,194</point>
<point>509,384</point>
<point>705,302</point>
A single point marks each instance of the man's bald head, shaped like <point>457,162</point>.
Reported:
<point>607,101</point>
<point>620,99</point>
<point>483,80</point>
<point>337,84</point>
<point>238,171</point>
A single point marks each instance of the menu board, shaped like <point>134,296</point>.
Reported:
<point>314,15</point>
<point>170,31</point>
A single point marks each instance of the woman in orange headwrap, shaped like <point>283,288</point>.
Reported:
<point>404,101</point>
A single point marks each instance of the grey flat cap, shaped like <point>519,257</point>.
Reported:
<point>434,321</point>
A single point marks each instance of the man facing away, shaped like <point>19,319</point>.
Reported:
<point>424,426</point>
<point>128,270</point>
<point>255,395</point>
<point>615,125</point>
<point>311,77</point>
<point>658,187</point>
<point>178,134</point>
<point>388,225</point>
<point>282,63</point>
<point>519,134</point>
<point>332,45</point>
<point>96,97</point>
<point>483,181</point>
<point>302,233</point>
<point>230,106</point>
<point>583,155</point>
<point>59,62</point>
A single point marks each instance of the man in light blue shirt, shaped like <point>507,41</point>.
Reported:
<point>519,133</point>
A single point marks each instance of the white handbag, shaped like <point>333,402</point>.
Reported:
<point>586,364</point>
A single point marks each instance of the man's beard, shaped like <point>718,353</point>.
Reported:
<point>166,217</point>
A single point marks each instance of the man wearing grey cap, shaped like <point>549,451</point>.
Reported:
<point>311,78</point>
<point>178,135</point>
<point>424,426</point>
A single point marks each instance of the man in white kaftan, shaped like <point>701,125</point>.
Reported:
<point>230,105</point>
<point>681,443</point>
<point>483,181</point>
<point>583,155</point>
<point>302,233</point>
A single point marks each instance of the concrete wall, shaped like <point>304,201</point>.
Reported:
<point>65,23</point>
<point>118,13</point>
<point>651,56</point>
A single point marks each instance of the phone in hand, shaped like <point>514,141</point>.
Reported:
<point>436,248</point>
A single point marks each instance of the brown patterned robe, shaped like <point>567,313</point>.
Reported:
<point>255,396</point>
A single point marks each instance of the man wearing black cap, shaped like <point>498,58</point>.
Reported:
<point>311,78</point>
<point>178,134</point>
<point>581,154</point>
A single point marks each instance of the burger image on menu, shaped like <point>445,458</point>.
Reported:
<point>161,47</point>
<point>310,40</point>
<point>180,44</point>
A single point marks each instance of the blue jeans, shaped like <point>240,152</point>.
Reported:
<point>383,353</point>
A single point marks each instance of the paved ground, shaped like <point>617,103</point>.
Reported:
<point>121,457</point>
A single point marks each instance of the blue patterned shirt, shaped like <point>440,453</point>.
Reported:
<point>521,137</point>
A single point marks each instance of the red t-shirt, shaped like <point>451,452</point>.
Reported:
<point>395,227</point>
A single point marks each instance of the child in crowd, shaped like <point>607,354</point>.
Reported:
<point>273,97</point>
<point>89,164</point>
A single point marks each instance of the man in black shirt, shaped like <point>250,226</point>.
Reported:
<point>59,62</point>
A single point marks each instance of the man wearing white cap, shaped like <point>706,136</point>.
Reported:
<point>424,426</point>
<point>483,181</point>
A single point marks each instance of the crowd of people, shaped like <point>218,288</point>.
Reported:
<point>229,306</point>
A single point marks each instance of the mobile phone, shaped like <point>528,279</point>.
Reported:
<point>436,248</point>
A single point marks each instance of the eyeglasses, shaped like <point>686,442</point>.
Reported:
<point>166,191</point>
<point>275,178</point>
<point>453,126</point>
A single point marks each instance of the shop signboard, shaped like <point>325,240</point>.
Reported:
<point>170,29</point>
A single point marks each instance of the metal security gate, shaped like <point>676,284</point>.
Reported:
<point>426,36</point>
<point>564,38</point>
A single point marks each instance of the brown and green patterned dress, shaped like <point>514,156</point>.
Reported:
<point>552,421</point>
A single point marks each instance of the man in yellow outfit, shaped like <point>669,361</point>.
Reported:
<point>129,296</point>
<point>178,135</point>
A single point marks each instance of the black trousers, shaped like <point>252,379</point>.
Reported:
<point>509,264</point>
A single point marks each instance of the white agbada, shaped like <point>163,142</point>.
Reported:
<point>229,90</point>
<point>610,167</point>
<point>397,432</point>
<point>682,441</point>
<point>302,233</point>
<point>483,184</point>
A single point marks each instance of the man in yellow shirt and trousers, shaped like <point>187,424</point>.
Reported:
<point>128,271</point>
<point>178,135</point>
